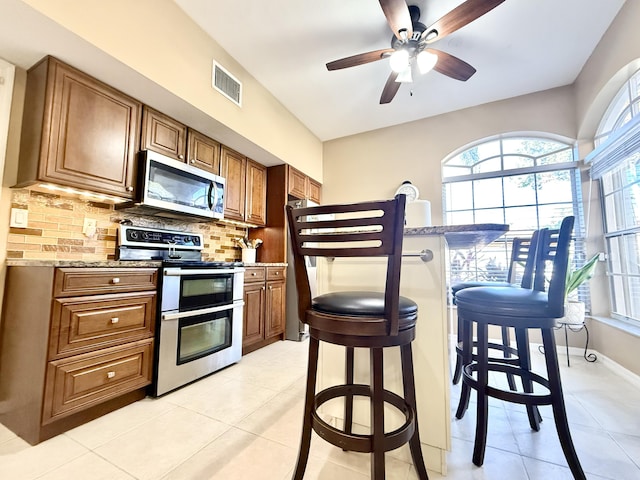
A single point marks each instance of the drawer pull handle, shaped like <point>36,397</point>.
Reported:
<point>115,280</point>
<point>253,274</point>
<point>111,374</point>
<point>115,320</point>
<point>277,273</point>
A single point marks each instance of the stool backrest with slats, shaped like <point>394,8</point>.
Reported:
<point>553,247</point>
<point>366,229</point>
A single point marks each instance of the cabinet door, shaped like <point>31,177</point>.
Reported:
<point>91,133</point>
<point>233,168</point>
<point>253,321</point>
<point>203,152</point>
<point>298,184</point>
<point>163,134</point>
<point>314,191</point>
<point>256,208</point>
<point>275,314</point>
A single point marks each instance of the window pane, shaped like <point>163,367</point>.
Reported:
<point>536,147</point>
<point>522,218</point>
<point>632,255</point>
<point>487,193</point>
<point>520,190</point>
<point>453,171</point>
<point>491,215</point>
<point>634,298</point>
<point>551,215</point>
<point>614,247</point>
<point>618,304</point>
<point>517,161</point>
<point>490,165</point>
<point>631,200</point>
<point>464,217</point>
<point>554,187</point>
<point>562,156</point>
<point>611,213</point>
<point>459,196</point>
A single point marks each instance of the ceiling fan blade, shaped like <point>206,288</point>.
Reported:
<point>398,17</point>
<point>390,88</point>
<point>460,16</point>
<point>359,59</point>
<point>452,66</point>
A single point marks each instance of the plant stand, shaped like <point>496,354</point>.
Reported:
<point>574,321</point>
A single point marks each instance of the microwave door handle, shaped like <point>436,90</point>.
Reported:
<point>209,195</point>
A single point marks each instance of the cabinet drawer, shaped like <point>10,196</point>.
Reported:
<point>82,324</point>
<point>89,281</point>
<point>276,273</point>
<point>82,381</point>
<point>254,274</point>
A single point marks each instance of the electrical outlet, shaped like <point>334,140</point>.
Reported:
<point>89,227</point>
<point>19,218</point>
<point>602,257</point>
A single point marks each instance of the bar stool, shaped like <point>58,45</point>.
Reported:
<point>522,253</point>
<point>521,309</point>
<point>357,319</point>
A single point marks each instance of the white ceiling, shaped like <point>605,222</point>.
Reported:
<point>521,46</point>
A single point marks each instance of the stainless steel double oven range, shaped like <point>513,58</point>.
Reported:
<point>199,327</point>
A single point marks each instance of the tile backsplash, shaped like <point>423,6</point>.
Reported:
<point>54,230</point>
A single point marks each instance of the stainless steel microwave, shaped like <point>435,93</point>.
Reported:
<point>170,188</point>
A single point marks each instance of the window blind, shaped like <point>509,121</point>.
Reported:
<point>620,146</point>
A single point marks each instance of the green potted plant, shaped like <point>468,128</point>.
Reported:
<point>574,309</point>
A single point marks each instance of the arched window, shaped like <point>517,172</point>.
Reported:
<point>528,182</point>
<point>616,163</point>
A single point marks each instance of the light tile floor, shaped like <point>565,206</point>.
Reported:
<point>244,422</point>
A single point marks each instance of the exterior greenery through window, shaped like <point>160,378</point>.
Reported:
<point>618,168</point>
<point>524,181</point>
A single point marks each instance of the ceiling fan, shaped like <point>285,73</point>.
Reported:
<point>410,44</point>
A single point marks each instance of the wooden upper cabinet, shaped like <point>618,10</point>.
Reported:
<point>233,167</point>
<point>256,207</point>
<point>77,131</point>
<point>298,183</point>
<point>163,134</point>
<point>301,186</point>
<point>314,191</point>
<point>203,152</point>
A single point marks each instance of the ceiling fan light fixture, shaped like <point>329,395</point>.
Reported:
<point>399,60</point>
<point>405,76</point>
<point>426,61</point>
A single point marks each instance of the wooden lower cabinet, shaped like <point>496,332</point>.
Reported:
<point>76,343</point>
<point>264,306</point>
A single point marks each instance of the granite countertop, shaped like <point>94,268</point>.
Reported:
<point>25,262</point>
<point>463,236</point>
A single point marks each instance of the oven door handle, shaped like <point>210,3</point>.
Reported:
<point>202,311</point>
<point>178,272</point>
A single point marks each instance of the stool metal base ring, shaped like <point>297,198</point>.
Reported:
<point>506,395</point>
<point>358,442</point>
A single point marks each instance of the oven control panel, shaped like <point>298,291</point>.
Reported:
<point>151,237</point>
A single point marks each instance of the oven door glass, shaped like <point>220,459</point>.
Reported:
<point>203,335</point>
<point>203,291</point>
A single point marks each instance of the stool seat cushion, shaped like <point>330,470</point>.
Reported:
<point>456,287</point>
<point>364,304</point>
<point>504,301</point>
